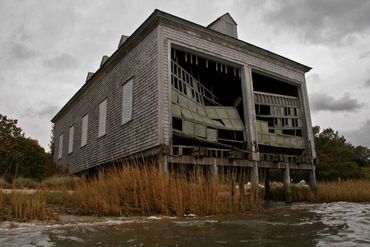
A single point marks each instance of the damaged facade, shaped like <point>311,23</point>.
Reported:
<point>190,95</point>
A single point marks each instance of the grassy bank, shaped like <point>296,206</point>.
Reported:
<point>347,190</point>
<point>129,192</point>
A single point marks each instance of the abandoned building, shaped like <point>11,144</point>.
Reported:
<point>189,94</point>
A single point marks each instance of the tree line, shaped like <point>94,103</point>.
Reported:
<point>22,156</point>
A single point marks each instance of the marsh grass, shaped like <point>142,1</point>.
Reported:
<point>57,182</point>
<point>346,190</point>
<point>27,207</point>
<point>146,191</point>
<point>131,191</point>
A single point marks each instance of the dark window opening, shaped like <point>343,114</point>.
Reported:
<point>230,135</point>
<point>177,123</point>
<point>263,110</point>
<point>266,84</point>
<point>289,132</point>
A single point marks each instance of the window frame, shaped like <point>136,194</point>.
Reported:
<point>126,119</point>
<point>84,140</point>
<point>71,138</point>
<point>101,132</point>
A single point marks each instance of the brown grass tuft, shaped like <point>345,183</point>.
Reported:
<point>346,190</point>
<point>27,207</point>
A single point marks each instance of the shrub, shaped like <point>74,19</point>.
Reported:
<point>24,183</point>
<point>61,182</point>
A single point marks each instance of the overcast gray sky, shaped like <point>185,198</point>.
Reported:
<point>47,47</point>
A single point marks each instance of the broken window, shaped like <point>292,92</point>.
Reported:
<point>206,101</point>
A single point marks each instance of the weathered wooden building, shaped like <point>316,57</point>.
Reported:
<point>191,95</point>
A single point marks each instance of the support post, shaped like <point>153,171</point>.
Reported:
<point>214,169</point>
<point>287,188</point>
<point>165,164</point>
<point>254,180</point>
<point>312,178</point>
<point>267,184</point>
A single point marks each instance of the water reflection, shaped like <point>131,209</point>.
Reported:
<point>332,224</point>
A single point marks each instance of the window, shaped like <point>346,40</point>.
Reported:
<point>70,139</point>
<point>85,123</point>
<point>60,147</point>
<point>127,102</point>
<point>102,118</point>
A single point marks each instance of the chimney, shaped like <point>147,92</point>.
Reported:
<point>103,60</point>
<point>225,24</point>
<point>122,40</point>
<point>89,75</point>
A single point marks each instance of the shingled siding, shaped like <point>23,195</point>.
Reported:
<point>223,50</point>
<point>139,134</point>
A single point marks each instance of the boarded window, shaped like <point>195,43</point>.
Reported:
<point>102,118</point>
<point>60,147</point>
<point>70,138</point>
<point>127,102</point>
<point>85,123</point>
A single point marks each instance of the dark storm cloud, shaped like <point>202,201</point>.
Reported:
<point>324,102</point>
<point>367,83</point>
<point>364,55</point>
<point>61,61</point>
<point>360,136</point>
<point>22,51</point>
<point>330,21</point>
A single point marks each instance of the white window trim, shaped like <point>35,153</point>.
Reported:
<point>60,146</point>
<point>127,101</point>
<point>84,130</point>
<point>70,139</point>
<point>102,129</point>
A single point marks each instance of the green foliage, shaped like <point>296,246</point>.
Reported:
<point>20,156</point>
<point>338,159</point>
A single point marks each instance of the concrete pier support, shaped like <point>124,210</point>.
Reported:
<point>267,184</point>
<point>287,188</point>
<point>255,180</point>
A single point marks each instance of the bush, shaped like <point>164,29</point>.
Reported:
<point>24,183</point>
<point>4,184</point>
<point>61,182</point>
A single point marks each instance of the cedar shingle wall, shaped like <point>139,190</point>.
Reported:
<point>120,140</point>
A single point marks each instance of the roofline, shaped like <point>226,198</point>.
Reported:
<point>156,15</point>
<point>255,48</point>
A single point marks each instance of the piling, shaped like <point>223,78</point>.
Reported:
<point>287,187</point>
<point>267,184</point>
<point>255,180</point>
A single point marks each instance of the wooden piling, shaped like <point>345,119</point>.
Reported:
<point>312,179</point>
<point>267,184</point>
<point>287,188</point>
<point>255,180</point>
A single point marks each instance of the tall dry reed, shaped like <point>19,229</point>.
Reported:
<point>27,207</point>
<point>146,190</point>
<point>346,190</point>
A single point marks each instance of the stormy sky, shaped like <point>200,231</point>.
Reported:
<point>47,48</point>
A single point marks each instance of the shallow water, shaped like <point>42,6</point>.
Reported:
<point>331,224</point>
